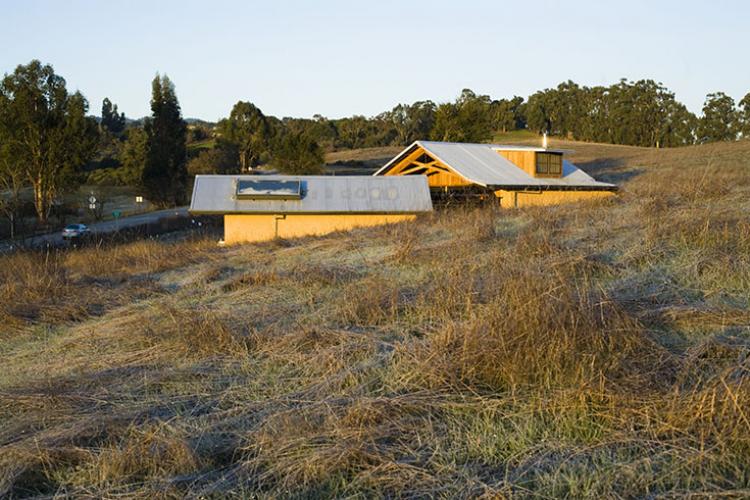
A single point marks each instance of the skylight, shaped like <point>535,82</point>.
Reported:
<point>251,189</point>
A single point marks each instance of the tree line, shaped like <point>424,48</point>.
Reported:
<point>49,143</point>
<point>637,113</point>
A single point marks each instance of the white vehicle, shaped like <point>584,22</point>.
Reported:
<point>75,231</point>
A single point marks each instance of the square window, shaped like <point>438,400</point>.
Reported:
<point>548,163</point>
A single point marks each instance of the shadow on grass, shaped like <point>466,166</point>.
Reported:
<point>613,170</point>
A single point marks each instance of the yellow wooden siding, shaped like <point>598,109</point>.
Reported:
<point>529,199</point>
<point>443,179</point>
<point>525,160</point>
<point>262,227</point>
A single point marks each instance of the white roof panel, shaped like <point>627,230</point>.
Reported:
<point>217,194</point>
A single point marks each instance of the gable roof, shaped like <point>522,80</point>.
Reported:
<point>483,165</point>
<point>321,194</point>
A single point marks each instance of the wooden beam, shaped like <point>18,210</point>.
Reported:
<point>430,167</point>
<point>413,169</point>
<point>433,164</point>
<point>411,164</point>
<point>396,169</point>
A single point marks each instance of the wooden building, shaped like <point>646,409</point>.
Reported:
<point>516,175</point>
<point>257,208</point>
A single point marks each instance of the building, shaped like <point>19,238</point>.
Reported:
<point>257,208</point>
<point>517,175</point>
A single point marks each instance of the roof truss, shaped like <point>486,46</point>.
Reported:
<point>419,162</point>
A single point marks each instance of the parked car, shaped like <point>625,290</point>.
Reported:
<point>75,231</point>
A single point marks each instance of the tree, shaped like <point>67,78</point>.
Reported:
<point>197,133</point>
<point>112,121</point>
<point>719,120</point>
<point>642,113</point>
<point>133,156</point>
<point>51,137</point>
<point>744,116</point>
<point>11,182</point>
<point>353,131</point>
<point>298,154</point>
<point>508,114</point>
<point>411,122</point>
<point>218,160</point>
<point>249,130</point>
<point>165,175</point>
<point>11,171</point>
<point>469,119</point>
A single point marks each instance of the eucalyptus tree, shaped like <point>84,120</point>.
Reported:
<point>47,134</point>
<point>468,119</point>
<point>411,121</point>
<point>12,176</point>
<point>719,120</point>
<point>249,130</point>
<point>744,116</point>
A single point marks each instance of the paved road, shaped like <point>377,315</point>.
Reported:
<point>104,227</point>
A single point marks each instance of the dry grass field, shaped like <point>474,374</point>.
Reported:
<point>593,350</point>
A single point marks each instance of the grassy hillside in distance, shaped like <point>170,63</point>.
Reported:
<point>591,350</point>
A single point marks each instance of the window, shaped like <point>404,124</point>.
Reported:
<point>549,163</point>
<point>268,190</point>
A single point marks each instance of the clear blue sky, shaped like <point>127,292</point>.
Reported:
<point>338,58</point>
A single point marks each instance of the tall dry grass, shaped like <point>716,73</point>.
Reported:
<point>598,350</point>
<point>54,286</point>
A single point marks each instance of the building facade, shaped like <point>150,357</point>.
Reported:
<point>260,208</point>
<point>517,176</point>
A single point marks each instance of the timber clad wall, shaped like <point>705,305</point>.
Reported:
<point>529,199</point>
<point>526,160</point>
<point>262,227</point>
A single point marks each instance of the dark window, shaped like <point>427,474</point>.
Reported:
<point>549,163</point>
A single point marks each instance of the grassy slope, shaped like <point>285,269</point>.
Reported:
<point>590,350</point>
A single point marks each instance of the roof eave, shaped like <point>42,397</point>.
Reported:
<point>291,212</point>
<point>554,187</point>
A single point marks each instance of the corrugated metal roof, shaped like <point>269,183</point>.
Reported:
<point>483,165</point>
<point>217,194</point>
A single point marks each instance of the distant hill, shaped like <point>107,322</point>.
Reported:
<point>198,121</point>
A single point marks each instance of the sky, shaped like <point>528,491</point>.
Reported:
<point>340,58</point>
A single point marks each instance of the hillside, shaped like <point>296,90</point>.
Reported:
<point>591,350</point>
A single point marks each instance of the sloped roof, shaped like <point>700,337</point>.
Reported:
<point>483,165</point>
<point>217,194</point>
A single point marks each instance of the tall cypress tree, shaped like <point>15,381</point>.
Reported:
<point>112,120</point>
<point>165,173</point>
